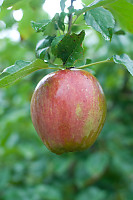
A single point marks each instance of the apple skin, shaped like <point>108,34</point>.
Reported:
<point>68,110</point>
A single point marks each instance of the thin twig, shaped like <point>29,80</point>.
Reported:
<point>91,64</point>
<point>70,18</point>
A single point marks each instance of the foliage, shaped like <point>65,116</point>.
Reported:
<point>59,43</point>
<point>27,169</point>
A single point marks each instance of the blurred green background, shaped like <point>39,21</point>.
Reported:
<point>28,171</point>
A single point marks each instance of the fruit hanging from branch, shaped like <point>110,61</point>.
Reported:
<point>68,110</point>
<point>68,107</point>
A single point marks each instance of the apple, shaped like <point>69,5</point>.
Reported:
<point>68,110</point>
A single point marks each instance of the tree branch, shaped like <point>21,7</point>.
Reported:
<point>91,64</point>
<point>70,18</point>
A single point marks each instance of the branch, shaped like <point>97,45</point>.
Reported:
<point>91,64</point>
<point>70,18</point>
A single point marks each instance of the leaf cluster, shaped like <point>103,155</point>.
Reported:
<point>60,48</point>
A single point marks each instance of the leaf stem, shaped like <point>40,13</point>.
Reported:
<point>91,64</point>
<point>58,28</point>
<point>56,67</point>
<point>75,19</point>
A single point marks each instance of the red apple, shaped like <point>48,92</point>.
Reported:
<point>68,110</point>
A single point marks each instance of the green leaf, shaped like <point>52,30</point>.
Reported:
<point>7,17</point>
<point>124,60</point>
<point>36,4</point>
<point>88,61</point>
<point>24,26</point>
<point>19,70</point>
<point>94,168</point>
<point>55,43</point>
<point>93,193</point>
<point>130,1</point>
<point>87,2</point>
<point>43,47</point>
<point>80,62</point>
<point>40,26</point>
<point>61,21</point>
<point>123,12</point>
<point>119,32</point>
<point>98,3</point>
<point>101,20</point>
<point>48,27</point>
<point>49,192</point>
<point>97,163</point>
<point>94,4</point>
<point>62,5</point>
<point>8,3</point>
<point>69,48</point>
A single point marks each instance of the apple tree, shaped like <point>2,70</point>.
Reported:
<point>96,38</point>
